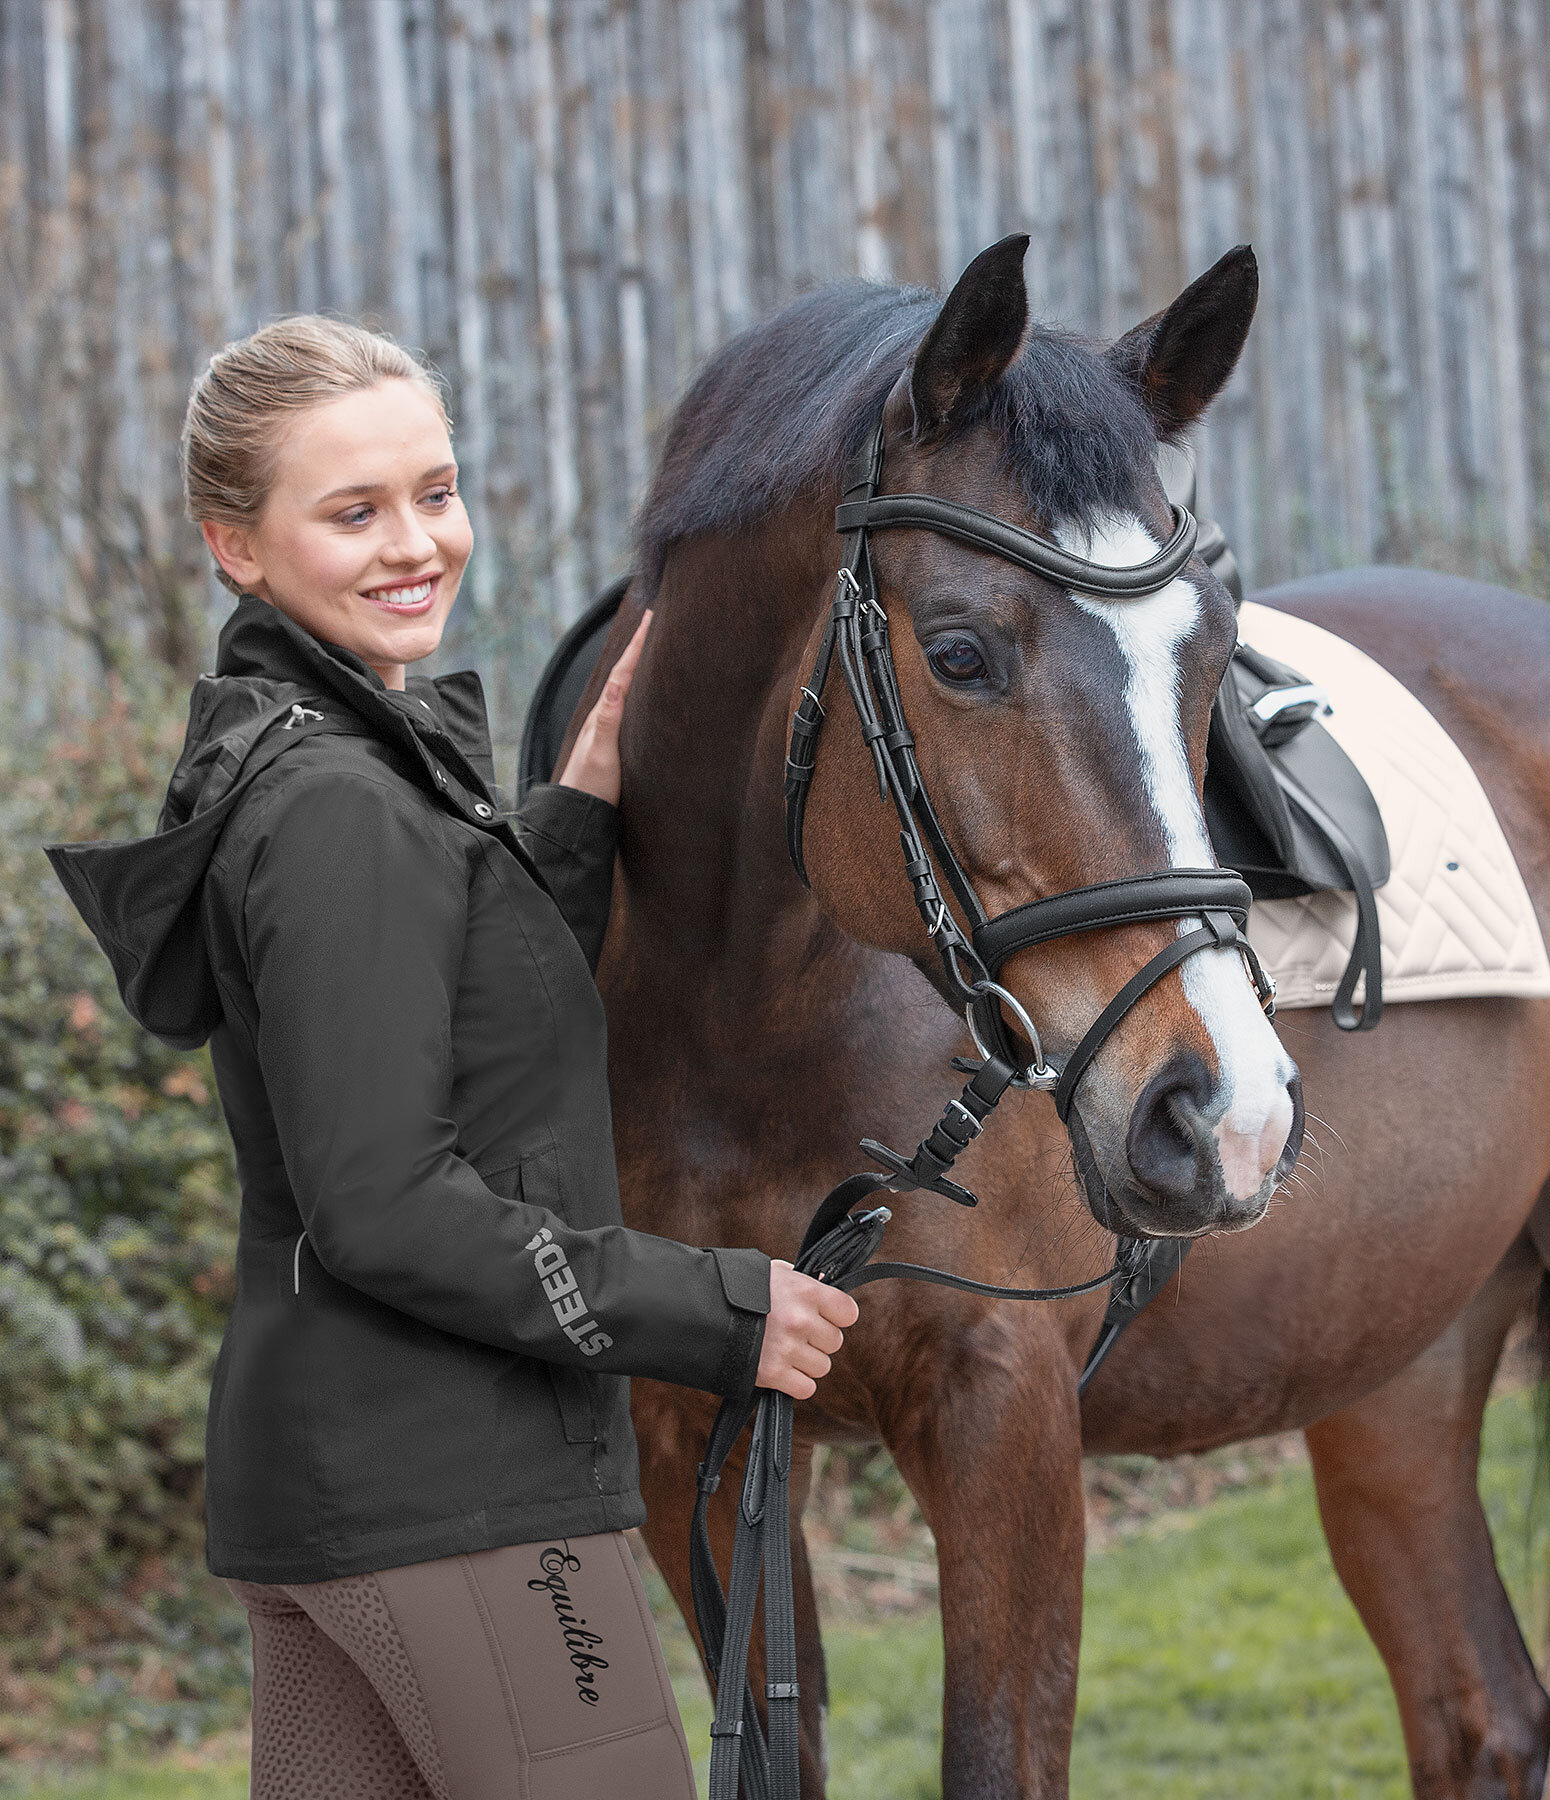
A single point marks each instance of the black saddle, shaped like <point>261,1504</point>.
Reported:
<point>1284,804</point>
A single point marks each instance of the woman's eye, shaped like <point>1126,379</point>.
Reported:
<point>958,660</point>
<point>357,515</point>
<point>440,496</point>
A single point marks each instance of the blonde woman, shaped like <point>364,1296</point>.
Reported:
<point>419,1453</point>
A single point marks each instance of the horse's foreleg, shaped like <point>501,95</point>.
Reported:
<point>672,1438</point>
<point>1396,1478</point>
<point>994,1459</point>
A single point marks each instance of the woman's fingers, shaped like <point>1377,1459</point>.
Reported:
<point>824,1336</point>
<point>803,1331</point>
<point>608,711</point>
<point>623,672</point>
<point>630,655</point>
<point>593,764</point>
<point>838,1307</point>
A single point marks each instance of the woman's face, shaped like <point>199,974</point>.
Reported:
<point>363,538</point>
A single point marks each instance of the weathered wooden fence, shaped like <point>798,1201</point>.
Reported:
<point>568,203</point>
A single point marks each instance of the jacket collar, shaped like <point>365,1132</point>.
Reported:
<point>442,718</point>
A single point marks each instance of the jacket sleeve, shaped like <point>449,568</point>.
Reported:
<point>572,836</point>
<point>354,913</point>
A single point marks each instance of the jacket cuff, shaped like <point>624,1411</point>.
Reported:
<point>745,1278</point>
<point>569,817</point>
<point>739,1368</point>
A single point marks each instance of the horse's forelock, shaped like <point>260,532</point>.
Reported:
<point>1075,439</point>
<point>778,411</point>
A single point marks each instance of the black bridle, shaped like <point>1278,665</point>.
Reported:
<point>839,1242</point>
<point>857,632</point>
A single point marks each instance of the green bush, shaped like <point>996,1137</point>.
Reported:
<point>117,1211</point>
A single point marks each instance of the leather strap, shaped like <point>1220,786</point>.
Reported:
<point>1366,956</point>
<point>1158,1261</point>
<point>839,1242</point>
<point>984,531</point>
<point>1220,930</point>
<point>1138,899</point>
<point>835,1248</point>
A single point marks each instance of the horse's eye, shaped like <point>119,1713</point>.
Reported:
<point>957,659</point>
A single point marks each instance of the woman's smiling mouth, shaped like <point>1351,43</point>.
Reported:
<point>404,597</point>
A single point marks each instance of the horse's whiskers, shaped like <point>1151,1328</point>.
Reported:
<point>1314,1119</point>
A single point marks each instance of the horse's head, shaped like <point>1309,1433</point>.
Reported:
<point>1062,737</point>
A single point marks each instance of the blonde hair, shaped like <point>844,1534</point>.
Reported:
<point>251,390</point>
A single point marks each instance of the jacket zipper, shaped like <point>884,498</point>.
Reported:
<point>296,1265</point>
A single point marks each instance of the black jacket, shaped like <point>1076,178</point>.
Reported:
<point>437,1304</point>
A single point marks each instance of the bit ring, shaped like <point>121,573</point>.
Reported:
<point>1038,1073</point>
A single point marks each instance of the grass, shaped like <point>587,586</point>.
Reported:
<point>1220,1657</point>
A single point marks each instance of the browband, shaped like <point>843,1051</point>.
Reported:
<point>984,531</point>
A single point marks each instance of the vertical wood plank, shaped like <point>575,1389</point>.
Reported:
<point>389,106</point>
<point>942,19</point>
<point>464,23</point>
<point>862,112</point>
<point>554,327</point>
<point>337,225</point>
<point>633,347</point>
<point>303,234</point>
<point>1510,476</point>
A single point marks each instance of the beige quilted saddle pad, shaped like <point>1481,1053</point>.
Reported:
<point>1455,916</point>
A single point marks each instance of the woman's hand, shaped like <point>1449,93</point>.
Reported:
<point>593,764</point>
<point>807,1324</point>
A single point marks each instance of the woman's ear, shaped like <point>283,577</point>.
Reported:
<point>232,548</point>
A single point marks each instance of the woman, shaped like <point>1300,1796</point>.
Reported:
<point>419,1454</point>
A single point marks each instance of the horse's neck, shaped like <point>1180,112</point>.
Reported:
<point>707,884</point>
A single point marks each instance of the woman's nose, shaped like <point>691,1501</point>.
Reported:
<point>410,542</point>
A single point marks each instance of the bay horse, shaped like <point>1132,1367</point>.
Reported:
<point>759,1028</point>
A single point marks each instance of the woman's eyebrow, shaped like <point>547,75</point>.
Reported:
<point>372,487</point>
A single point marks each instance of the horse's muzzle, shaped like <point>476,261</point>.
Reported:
<point>1190,1163</point>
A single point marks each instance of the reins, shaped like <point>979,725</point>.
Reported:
<point>839,1243</point>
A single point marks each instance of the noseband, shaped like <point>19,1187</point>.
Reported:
<point>844,1232</point>
<point>858,632</point>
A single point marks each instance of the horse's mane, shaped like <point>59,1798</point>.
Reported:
<point>778,411</point>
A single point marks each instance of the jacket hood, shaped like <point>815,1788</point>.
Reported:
<point>273,685</point>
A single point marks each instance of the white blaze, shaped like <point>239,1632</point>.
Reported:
<point>1149,630</point>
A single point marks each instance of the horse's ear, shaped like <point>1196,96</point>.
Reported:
<point>1179,359</point>
<point>973,337</point>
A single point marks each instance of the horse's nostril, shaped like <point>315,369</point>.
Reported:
<point>1168,1134</point>
<point>1292,1149</point>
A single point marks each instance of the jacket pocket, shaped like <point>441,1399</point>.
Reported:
<point>573,1393</point>
<point>535,1180</point>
